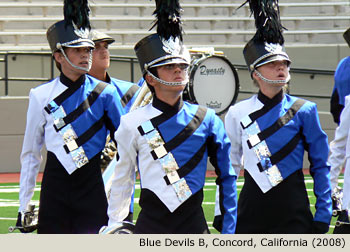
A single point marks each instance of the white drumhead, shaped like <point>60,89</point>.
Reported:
<point>214,83</point>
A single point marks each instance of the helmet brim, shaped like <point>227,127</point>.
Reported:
<point>278,57</point>
<point>170,61</point>
<point>109,41</point>
<point>81,44</point>
<point>98,36</point>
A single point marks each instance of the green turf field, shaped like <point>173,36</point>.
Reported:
<point>9,202</point>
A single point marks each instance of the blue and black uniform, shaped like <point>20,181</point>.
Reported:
<point>341,88</point>
<point>170,146</point>
<point>127,91</point>
<point>72,120</point>
<point>269,137</point>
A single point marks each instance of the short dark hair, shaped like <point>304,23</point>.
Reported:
<point>58,65</point>
<point>153,71</point>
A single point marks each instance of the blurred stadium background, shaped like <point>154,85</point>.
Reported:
<point>313,37</point>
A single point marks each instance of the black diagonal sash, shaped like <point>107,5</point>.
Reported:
<point>186,132</point>
<point>191,164</point>
<point>128,95</point>
<point>283,152</point>
<point>86,136</point>
<point>155,121</point>
<point>261,136</point>
<point>85,105</point>
<point>62,97</point>
<point>259,113</point>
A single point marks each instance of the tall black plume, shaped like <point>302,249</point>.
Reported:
<point>77,13</point>
<point>168,19</point>
<point>267,20</point>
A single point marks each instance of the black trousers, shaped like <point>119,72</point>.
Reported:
<point>72,204</point>
<point>155,218</point>
<point>284,209</point>
<point>344,228</point>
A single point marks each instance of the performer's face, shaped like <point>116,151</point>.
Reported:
<point>173,72</point>
<point>78,56</point>
<point>169,73</point>
<point>100,57</point>
<point>275,70</point>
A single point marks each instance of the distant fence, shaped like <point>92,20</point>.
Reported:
<point>314,84</point>
<point>131,60</point>
<point>6,78</point>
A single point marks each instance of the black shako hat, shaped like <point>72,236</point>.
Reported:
<point>154,50</point>
<point>166,46</point>
<point>257,53</point>
<point>73,31</point>
<point>346,36</point>
<point>267,45</point>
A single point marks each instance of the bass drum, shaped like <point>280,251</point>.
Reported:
<point>213,83</point>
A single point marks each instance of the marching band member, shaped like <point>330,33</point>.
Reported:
<point>341,84</point>
<point>70,115</point>
<point>340,151</point>
<point>127,91</point>
<point>169,141</point>
<point>100,64</point>
<point>271,130</point>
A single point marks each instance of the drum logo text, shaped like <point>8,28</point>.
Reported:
<point>211,71</point>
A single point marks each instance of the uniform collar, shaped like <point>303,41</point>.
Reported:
<point>268,101</point>
<point>108,78</point>
<point>166,108</point>
<point>69,83</point>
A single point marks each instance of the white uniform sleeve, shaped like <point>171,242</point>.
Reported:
<point>31,155</point>
<point>346,186</point>
<point>217,210</point>
<point>234,133</point>
<point>339,143</point>
<point>124,175</point>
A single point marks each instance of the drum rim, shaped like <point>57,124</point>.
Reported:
<point>193,71</point>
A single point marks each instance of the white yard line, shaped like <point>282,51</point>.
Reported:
<point>14,203</point>
<point>4,218</point>
<point>213,183</point>
<point>12,190</point>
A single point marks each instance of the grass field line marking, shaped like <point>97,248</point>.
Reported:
<point>15,190</point>
<point>5,218</point>
<point>214,184</point>
<point>13,186</point>
<point>8,200</point>
<point>15,203</point>
<point>9,204</point>
<point>311,181</point>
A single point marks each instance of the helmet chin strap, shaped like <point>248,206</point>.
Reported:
<point>181,83</point>
<point>273,81</point>
<point>87,69</point>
